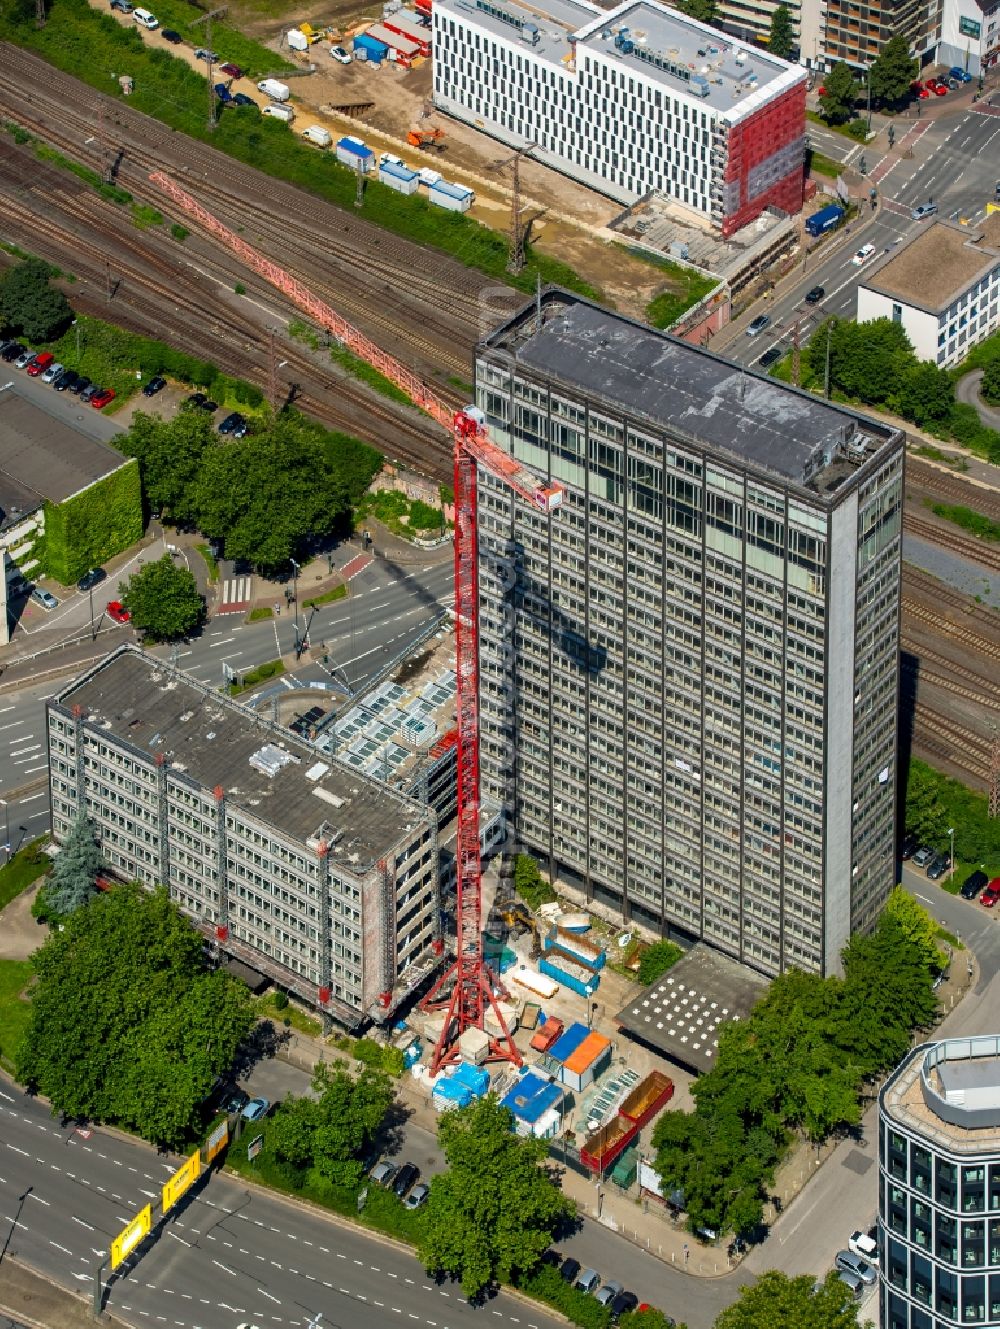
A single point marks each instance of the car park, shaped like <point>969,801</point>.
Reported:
<point>814,296</point>
<point>938,866</point>
<point>118,612</point>
<point>864,1245</point>
<point>606,1294</point>
<point>102,397</point>
<point>404,1179</point>
<point>383,1173</point>
<point>418,1196</point>
<point>156,384</point>
<point>991,894</point>
<point>91,579</point>
<point>623,1303</point>
<point>569,1269</point>
<point>770,355</point>
<point>43,597</point>
<point>922,211</point>
<point>588,1280</point>
<point>973,884</point>
<point>40,363</point>
<point>234,424</point>
<point>757,326</point>
<point>256,1109</point>
<point>863,255</point>
<point>12,351</point>
<point>923,856</point>
<point>232,70</point>
<point>24,359</point>
<point>174,38</point>
<point>856,1265</point>
<point>65,380</point>
<point>53,372</point>
<point>340,54</point>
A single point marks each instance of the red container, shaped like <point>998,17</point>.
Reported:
<point>601,1150</point>
<point>647,1098</point>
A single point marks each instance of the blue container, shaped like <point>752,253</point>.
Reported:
<point>575,981</point>
<point>375,50</point>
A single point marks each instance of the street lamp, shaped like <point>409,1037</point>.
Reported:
<point>6,828</point>
<point>76,325</point>
<point>295,596</point>
<point>951,834</point>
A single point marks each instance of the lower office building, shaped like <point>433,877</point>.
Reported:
<point>689,671</point>
<point>939,1187</point>
<point>306,870</point>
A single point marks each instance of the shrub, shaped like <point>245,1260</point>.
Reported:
<point>91,527</point>
<point>547,1284</point>
<point>280,1000</point>
<point>655,960</point>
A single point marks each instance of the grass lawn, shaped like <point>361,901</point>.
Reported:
<point>823,165</point>
<point>337,593</point>
<point>211,562</point>
<point>27,865</point>
<point>260,613</point>
<point>296,1018</point>
<point>15,975</point>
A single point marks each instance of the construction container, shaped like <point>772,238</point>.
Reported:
<point>568,1042</point>
<point>448,1094</point>
<point>423,7</point>
<point>369,48</point>
<point>297,39</point>
<point>535,982</point>
<point>578,923</point>
<point>405,50</point>
<point>534,1101</point>
<point>353,152</point>
<point>492,1025</point>
<point>589,1060</point>
<point>575,973</point>
<point>407,26</point>
<point>530,1013</point>
<point>456,198</point>
<point>474,1046</point>
<point>577,945</point>
<point>602,1148</point>
<point>624,1172</point>
<point>647,1098</point>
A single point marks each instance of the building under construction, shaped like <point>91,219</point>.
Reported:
<point>293,862</point>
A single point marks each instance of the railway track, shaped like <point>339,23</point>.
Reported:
<point>946,628</point>
<point>968,546</point>
<point>953,741</point>
<point>937,482</point>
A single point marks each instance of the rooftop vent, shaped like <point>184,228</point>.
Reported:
<point>269,760</point>
<point>328,797</point>
<point>186,715</point>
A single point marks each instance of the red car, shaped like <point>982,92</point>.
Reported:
<point>100,399</point>
<point>919,90</point>
<point>937,87</point>
<point>40,363</point>
<point>232,70</point>
<point>118,612</point>
<point>991,894</point>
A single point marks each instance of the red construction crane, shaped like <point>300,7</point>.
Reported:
<point>469,987</point>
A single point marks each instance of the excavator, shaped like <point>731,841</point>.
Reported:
<point>424,138</point>
<point>518,917</point>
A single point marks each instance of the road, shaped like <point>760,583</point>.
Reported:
<point>230,1254</point>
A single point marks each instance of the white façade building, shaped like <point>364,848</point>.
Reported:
<point>943,287</point>
<point>629,101</point>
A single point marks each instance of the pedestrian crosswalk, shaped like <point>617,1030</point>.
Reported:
<point>236,594</point>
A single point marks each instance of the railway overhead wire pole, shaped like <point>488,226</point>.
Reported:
<point>468,989</point>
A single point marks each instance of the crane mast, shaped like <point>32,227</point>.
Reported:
<point>468,988</point>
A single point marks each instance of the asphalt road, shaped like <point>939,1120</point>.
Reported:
<point>229,1255</point>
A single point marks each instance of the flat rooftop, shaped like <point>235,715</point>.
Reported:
<point>680,1015</point>
<point>551,22</point>
<point>302,793</point>
<point>44,457</point>
<point>941,262</point>
<point>695,394</point>
<point>685,56</point>
<point>950,1093</point>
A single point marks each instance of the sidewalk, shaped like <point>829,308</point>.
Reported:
<point>33,1300</point>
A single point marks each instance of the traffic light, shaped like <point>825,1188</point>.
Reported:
<point>892,135</point>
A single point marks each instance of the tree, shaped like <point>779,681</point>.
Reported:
<point>782,38</point>
<point>170,455</point>
<point>868,361</point>
<point>990,386</point>
<point>490,1216</point>
<point>267,494</point>
<point>892,72</point>
<point>776,1301</point>
<point>30,304</point>
<point>127,1026</point>
<point>918,927</point>
<point>73,882</point>
<point>925,394</point>
<point>650,1318</point>
<point>701,10</point>
<point>839,94</point>
<point>529,883</point>
<point>163,600</point>
<point>926,813</point>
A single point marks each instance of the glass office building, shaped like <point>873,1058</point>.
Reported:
<point>689,672</point>
<point>939,1187</point>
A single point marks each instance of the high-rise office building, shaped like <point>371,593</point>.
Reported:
<point>689,671</point>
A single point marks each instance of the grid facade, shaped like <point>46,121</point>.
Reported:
<point>856,32</point>
<point>689,675</point>
<point>279,902</point>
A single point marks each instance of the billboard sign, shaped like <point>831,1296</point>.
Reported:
<point>254,1147</point>
<point>217,1141</point>
<point>185,1176</point>
<point>130,1236</point>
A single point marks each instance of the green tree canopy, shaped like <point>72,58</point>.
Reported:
<point>490,1216</point>
<point>990,386</point>
<point>73,882</point>
<point>31,305</point>
<point>126,1025</point>
<point>839,95</point>
<point>163,600</point>
<point>918,927</point>
<point>868,361</point>
<point>776,1301</point>
<point>330,1136</point>
<point>781,41</point>
<point>893,72</point>
<point>925,394</point>
<point>703,11</point>
<point>170,455</point>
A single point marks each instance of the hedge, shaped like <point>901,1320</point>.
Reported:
<point>89,528</point>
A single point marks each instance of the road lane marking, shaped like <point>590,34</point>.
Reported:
<point>32,747</point>
<point>38,1200</point>
<point>60,1248</point>
<point>225,1268</point>
<point>31,799</point>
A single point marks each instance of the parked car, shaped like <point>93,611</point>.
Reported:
<point>203,53</point>
<point>122,6</point>
<point>40,363</point>
<point>156,384</point>
<point>864,1245</point>
<point>852,1281</point>
<point>24,359</point>
<point>973,884</point>
<point>938,866</point>
<point>608,1292</point>
<point>223,94</point>
<point>418,1196</point>
<point>922,211</point>
<point>174,38</point>
<point>80,386</point>
<point>103,397</point>
<point>623,1303</point>
<point>863,255</point>
<point>241,99</point>
<point>961,75</point>
<point>13,350</point>
<point>65,380</point>
<point>918,90</point>
<point>405,1178</point>
<point>340,54</point>
<point>232,70</point>
<point>89,391</point>
<point>234,424</point>
<point>923,856</point>
<point>770,355</point>
<point>757,326</point>
<point>856,1265</point>
<point>256,1110</point>
<point>196,400</point>
<point>43,597</point>
<point>588,1280</point>
<point>910,845</point>
<point>119,614</point>
<point>383,1173</point>
<point>569,1269</point>
<point>991,894</point>
<point>234,1099</point>
<point>814,296</point>
<point>53,372</point>
<point>91,579</point>
<point>551,1258</point>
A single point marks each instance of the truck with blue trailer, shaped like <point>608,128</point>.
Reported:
<point>825,220</point>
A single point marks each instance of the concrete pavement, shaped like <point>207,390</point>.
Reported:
<point>967,389</point>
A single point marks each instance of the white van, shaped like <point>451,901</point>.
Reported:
<point>318,135</point>
<point>283,113</point>
<point>278,92</point>
<point>145,19</point>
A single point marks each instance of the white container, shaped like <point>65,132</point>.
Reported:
<point>474,1046</point>
<point>318,135</point>
<point>398,178</point>
<point>283,113</point>
<point>297,41</point>
<point>450,199</point>
<point>511,1018</point>
<point>278,92</point>
<point>429,177</point>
